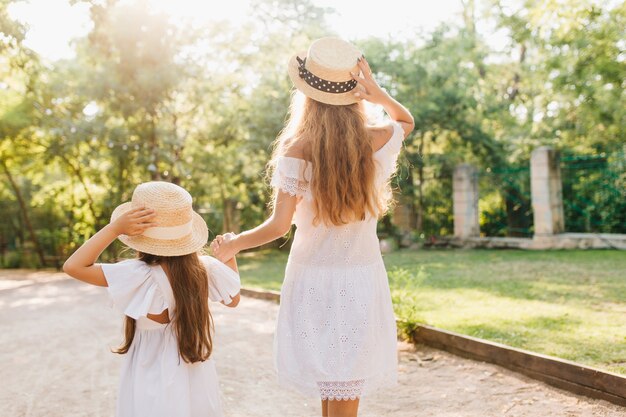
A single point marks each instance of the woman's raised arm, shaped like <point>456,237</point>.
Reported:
<point>371,91</point>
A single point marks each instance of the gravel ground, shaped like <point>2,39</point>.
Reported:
<point>56,334</point>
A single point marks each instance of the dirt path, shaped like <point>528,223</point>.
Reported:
<point>55,335</point>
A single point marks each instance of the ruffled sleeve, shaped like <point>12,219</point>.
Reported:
<point>224,283</point>
<point>387,156</point>
<point>292,176</point>
<point>133,289</point>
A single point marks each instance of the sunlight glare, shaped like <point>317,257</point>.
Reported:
<point>52,25</point>
<point>91,109</point>
<point>203,11</point>
<point>392,19</point>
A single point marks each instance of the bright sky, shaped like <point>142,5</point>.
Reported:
<point>54,23</point>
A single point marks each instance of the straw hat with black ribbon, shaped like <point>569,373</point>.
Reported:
<point>180,230</point>
<point>323,72</point>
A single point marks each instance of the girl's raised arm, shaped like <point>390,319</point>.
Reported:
<point>81,265</point>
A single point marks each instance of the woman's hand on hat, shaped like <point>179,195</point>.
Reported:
<point>369,89</point>
<point>134,222</point>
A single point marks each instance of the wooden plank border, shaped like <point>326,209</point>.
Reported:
<point>567,375</point>
<point>261,294</point>
<point>570,376</point>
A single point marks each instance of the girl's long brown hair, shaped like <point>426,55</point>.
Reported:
<point>336,142</point>
<point>192,321</point>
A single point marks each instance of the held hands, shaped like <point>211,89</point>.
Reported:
<point>369,89</point>
<point>224,247</point>
<point>134,222</point>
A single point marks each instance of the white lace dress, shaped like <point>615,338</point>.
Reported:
<point>336,332</point>
<point>155,381</point>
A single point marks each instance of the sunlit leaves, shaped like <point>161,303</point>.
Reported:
<point>148,98</point>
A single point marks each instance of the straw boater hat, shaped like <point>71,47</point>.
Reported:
<point>323,73</point>
<point>181,231</point>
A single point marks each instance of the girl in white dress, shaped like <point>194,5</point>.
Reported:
<point>336,332</point>
<point>164,294</point>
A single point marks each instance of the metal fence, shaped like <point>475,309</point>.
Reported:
<point>594,192</point>
<point>505,204</point>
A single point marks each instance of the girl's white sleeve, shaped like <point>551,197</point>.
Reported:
<point>224,283</point>
<point>133,289</point>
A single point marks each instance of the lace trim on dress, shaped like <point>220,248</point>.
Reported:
<point>341,390</point>
<point>292,186</point>
<point>292,176</point>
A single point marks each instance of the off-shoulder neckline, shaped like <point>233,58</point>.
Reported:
<point>293,157</point>
<point>396,126</point>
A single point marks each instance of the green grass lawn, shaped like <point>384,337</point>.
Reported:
<point>570,304</point>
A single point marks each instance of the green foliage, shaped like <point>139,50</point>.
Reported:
<point>146,98</point>
<point>594,193</point>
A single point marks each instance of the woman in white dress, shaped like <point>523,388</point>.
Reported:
<point>336,332</point>
<point>164,294</point>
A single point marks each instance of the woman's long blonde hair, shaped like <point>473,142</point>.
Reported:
<point>193,323</point>
<point>335,141</point>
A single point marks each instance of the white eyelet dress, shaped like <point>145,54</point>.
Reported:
<point>155,381</point>
<point>336,332</point>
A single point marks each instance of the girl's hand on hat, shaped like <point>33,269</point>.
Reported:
<point>369,89</point>
<point>134,222</point>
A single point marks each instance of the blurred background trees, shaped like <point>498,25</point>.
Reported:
<point>146,98</point>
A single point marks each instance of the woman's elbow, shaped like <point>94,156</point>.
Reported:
<point>69,268</point>
<point>408,127</point>
<point>234,302</point>
<point>283,230</point>
<point>281,227</point>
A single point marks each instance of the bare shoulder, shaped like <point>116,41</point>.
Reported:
<point>294,148</point>
<point>380,135</point>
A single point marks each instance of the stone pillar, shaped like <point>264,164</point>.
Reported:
<point>465,190</point>
<point>546,192</point>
